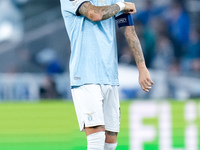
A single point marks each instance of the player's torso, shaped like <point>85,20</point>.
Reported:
<point>94,37</point>
<point>93,46</point>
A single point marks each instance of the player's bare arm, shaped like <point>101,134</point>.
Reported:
<point>135,46</point>
<point>98,13</point>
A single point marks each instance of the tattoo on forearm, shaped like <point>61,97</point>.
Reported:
<point>84,8</point>
<point>110,11</point>
<point>134,44</point>
<point>104,11</point>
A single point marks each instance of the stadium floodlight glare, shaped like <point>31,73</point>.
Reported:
<point>6,30</point>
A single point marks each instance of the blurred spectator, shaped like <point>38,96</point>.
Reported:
<point>150,11</point>
<point>179,27</point>
<point>191,60</point>
<point>48,89</point>
<point>145,15</point>
<point>159,26</point>
<point>147,39</point>
<point>48,58</point>
<point>164,53</point>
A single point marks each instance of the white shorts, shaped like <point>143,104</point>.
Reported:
<point>97,105</point>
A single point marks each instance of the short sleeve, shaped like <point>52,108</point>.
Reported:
<point>72,5</point>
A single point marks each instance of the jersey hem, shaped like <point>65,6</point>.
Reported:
<point>78,85</point>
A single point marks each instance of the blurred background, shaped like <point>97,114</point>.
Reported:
<point>35,99</point>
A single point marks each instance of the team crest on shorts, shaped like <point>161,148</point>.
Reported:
<point>90,116</point>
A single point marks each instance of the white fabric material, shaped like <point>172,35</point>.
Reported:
<point>96,141</point>
<point>110,146</point>
<point>121,5</point>
<point>97,105</point>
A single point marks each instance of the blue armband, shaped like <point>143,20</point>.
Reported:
<point>124,20</point>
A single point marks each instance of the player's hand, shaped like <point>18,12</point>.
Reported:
<point>145,79</point>
<point>129,8</point>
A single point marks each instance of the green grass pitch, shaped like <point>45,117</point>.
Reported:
<point>49,125</point>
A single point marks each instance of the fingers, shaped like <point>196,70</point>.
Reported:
<point>149,80</point>
<point>146,89</point>
<point>125,12</point>
<point>146,84</point>
<point>130,8</point>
